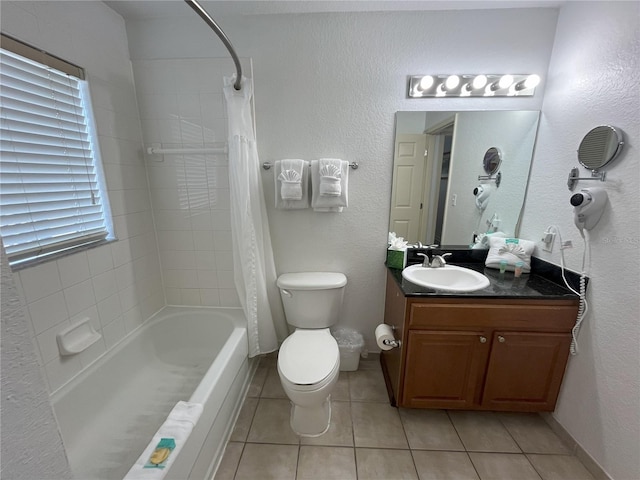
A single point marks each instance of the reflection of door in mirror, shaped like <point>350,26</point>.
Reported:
<point>408,185</point>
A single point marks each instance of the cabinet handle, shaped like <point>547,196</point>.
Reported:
<point>500,338</point>
<point>483,339</point>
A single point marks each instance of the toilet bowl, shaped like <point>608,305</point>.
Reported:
<point>309,358</point>
<point>308,365</point>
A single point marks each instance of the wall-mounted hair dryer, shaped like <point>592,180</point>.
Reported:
<point>588,206</point>
<point>482,193</point>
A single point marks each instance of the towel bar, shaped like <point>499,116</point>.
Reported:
<point>268,165</point>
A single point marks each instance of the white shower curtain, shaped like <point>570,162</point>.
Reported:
<point>253,264</point>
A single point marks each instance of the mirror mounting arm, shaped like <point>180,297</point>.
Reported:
<point>574,176</point>
<point>497,178</point>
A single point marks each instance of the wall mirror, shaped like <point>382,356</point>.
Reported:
<point>491,161</point>
<point>438,157</point>
<point>600,146</point>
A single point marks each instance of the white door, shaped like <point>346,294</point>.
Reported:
<point>407,187</point>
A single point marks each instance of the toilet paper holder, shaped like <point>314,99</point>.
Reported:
<point>392,343</point>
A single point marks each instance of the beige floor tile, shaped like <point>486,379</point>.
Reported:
<point>503,466</point>
<point>229,463</point>
<point>326,463</point>
<point>379,464</point>
<point>255,387</point>
<point>444,465</point>
<point>367,385</point>
<point>266,462</point>
<point>341,390</point>
<point>377,425</point>
<point>271,422</point>
<point>243,423</point>
<point>483,432</point>
<point>340,433</point>
<point>559,467</point>
<point>532,433</point>
<point>272,386</point>
<point>429,430</point>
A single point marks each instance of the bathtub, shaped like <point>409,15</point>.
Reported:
<point>109,413</point>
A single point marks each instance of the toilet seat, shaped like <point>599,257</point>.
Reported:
<point>308,359</point>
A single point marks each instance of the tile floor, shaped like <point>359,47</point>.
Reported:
<point>369,439</point>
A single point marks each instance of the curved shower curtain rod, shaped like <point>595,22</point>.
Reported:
<point>227,43</point>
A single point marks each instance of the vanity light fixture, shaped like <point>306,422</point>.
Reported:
<point>468,85</point>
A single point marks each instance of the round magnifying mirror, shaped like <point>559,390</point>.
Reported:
<point>598,147</point>
<point>492,160</point>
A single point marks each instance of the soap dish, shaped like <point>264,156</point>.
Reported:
<point>76,338</point>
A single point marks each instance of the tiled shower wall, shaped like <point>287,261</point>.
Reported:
<point>182,106</point>
<point>116,286</point>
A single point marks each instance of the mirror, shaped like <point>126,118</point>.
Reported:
<point>598,147</point>
<point>436,170</point>
<point>491,161</point>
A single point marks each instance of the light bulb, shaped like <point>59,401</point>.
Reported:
<point>532,81</point>
<point>479,82</point>
<point>505,81</point>
<point>426,82</point>
<point>452,82</point>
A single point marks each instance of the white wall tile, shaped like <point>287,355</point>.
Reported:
<point>47,342</point>
<point>73,269</point>
<point>114,332</point>
<point>104,285</point>
<point>40,280</point>
<point>48,312</point>
<point>79,297</point>
<point>100,259</point>
<point>109,310</point>
<point>62,369</point>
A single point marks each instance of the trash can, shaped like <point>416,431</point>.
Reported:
<point>350,343</point>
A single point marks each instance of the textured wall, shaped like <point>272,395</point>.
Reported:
<point>328,85</point>
<point>116,286</point>
<point>31,444</point>
<point>594,84</point>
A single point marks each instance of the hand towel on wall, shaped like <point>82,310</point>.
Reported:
<point>291,184</point>
<point>330,170</point>
<point>329,203</point>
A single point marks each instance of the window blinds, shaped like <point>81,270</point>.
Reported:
<point>50,199</point>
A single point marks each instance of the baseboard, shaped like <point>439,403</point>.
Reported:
<point>587,460</point>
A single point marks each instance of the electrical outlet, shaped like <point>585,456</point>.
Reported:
<point>548,240</point>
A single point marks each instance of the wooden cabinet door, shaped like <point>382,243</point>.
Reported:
<point>444,369</point>
<point>525,370</point>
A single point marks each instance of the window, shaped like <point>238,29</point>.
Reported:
<point>52,196</point>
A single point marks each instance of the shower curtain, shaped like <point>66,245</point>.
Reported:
<point>253,264</point>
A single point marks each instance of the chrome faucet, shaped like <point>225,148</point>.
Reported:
<point>439,261</point>
<point>425,262</point>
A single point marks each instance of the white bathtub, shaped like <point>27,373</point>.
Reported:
<point>108,414</point>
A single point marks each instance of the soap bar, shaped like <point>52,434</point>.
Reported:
<point>160,455</point>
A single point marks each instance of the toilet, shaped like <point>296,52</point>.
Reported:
<point>309,358</point>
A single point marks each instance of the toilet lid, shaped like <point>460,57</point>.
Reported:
<point>307,357</point>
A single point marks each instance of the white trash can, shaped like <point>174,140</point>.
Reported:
<point>350,343</point>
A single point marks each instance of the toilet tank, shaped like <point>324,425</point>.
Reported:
<point>312,299</point>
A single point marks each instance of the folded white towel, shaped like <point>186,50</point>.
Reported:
<point>512,250</point>
<point>330,170</point>
<point>291,187</point>
<point>329,203</point>
<point>178,426</point>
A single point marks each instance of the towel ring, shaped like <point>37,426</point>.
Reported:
<point>268,165</point>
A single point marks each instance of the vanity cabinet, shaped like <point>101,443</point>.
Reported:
<point>477,353</point>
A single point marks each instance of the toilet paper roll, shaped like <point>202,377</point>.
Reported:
<point>384,332</point>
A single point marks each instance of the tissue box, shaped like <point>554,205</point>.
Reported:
<point>396,258</point>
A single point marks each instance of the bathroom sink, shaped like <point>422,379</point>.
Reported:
<point>451,278</point>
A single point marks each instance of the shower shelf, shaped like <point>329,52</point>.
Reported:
<point>77,338</point>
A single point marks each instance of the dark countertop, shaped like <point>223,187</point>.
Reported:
<point>543,283</point>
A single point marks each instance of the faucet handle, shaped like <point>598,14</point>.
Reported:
<point>425,262</point>
<point>439,260</point>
